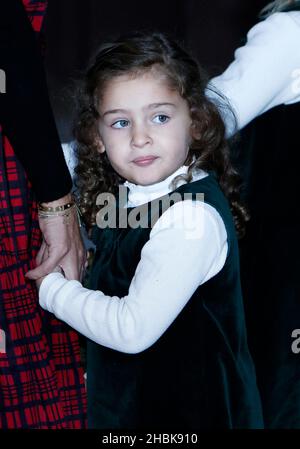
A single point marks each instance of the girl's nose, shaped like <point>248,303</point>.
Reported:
<point>140,136</point>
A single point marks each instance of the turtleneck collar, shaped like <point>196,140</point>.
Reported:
<point>139,194</point>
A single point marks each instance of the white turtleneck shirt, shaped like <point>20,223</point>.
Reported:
<point>187,246</point>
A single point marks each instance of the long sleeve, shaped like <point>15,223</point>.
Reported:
<point>266,70</point>
<point>25,112</point>
<point>187,246</point>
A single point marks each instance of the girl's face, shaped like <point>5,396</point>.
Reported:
<point>145,127</point>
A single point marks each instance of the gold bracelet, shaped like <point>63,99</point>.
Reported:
<point>61,208</point>
<point>64,214</point>
<point>60,213</point>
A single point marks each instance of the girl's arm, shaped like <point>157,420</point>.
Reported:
<point>266,70</point>
<point>187,246</point>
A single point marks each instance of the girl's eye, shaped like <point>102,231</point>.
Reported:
<point>120,124</point>
<point>161,118</point>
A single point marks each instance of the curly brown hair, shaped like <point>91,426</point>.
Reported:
<point>134,54</point>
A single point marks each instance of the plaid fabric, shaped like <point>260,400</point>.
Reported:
<point>35,12</point>
<point>41,378</point>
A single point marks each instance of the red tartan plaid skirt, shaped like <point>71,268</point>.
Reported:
<point>41,377</point>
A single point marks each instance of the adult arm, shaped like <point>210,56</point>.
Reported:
<point>187,246</point>
<point>25,112</point>
<point>27,120</point>
<point>265,72</point>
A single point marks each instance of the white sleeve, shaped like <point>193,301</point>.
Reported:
<point>187,246</point>
<point>266,70</point>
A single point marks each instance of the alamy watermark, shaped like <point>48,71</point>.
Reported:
<point>296,343</point>
<point>2,342</point>
<point>114,213</point>
<point>2,82</point>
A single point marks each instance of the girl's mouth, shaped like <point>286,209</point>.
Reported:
<point>147,160</point>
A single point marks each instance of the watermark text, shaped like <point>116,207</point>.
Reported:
<point>2,82</point>
<point>114,213</point>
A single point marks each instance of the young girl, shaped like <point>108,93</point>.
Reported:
<point>164,315</point>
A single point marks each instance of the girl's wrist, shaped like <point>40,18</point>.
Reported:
<point>58,269</point>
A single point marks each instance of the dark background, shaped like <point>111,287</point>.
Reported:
<point>74,29</point>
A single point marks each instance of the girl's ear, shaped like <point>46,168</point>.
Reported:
<point>100,145</point>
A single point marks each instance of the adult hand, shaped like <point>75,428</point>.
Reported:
<point>39,281</point>
<point>62,245</point>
